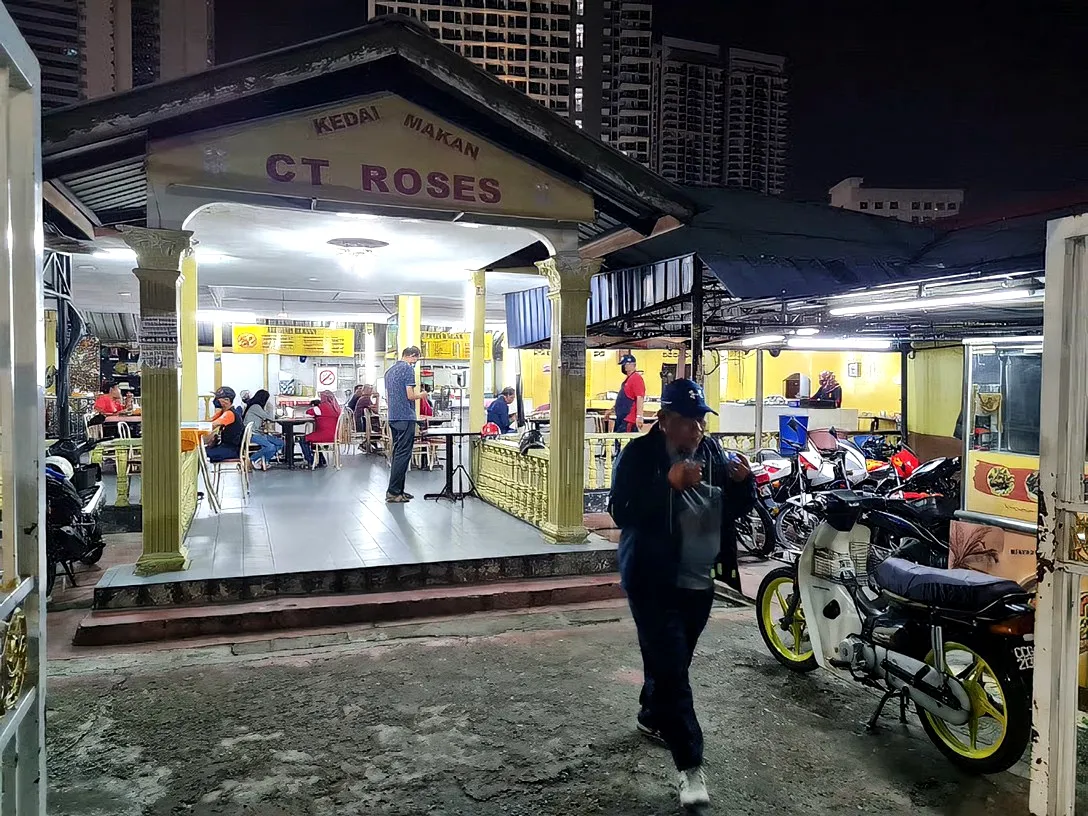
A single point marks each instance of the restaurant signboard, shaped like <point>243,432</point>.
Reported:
<point>379,150</point>
<point>451,345</point>
<point>293,341</point>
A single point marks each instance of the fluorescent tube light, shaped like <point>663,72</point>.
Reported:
<point>923,304</point>
<point>762,340</point>
<point>1002,341</point>
<point>839,343</point>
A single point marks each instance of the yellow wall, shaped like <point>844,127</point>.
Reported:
<point>602,372</point>
<point>935,390</point>
<point>876,391</point>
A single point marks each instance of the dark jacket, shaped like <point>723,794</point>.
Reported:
<point>641,503</point>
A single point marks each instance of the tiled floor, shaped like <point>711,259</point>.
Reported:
<point>309,521</point>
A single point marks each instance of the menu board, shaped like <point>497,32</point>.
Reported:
<point>451,345</point>
<point>294,341</point>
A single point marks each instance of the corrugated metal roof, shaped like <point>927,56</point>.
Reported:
<point>112,327</point>
<point>110,189</point>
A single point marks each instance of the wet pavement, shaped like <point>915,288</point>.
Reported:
<point>528,713</point>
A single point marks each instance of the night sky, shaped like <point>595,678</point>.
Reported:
<point>960,93</point>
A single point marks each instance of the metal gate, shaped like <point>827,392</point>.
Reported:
<point>22,558</point>
<point>1063,517</point>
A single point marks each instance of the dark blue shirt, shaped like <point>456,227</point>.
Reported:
<point>499,413</point>
<point>397,379</point>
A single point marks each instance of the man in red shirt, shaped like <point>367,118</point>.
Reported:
<point>109,401</point>
<point>629,400</point>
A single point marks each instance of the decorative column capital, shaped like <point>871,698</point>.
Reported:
<point>159,249</point>
<point>569,272</point>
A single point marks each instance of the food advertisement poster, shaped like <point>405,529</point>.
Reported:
<point>1002,484</point>
<point>294,341</point>
<point>452,345</point>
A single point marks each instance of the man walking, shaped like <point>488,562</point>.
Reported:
<point>676,497</point>
<point>401,395</point>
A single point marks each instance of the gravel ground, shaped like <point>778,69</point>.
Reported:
<point>486,715</point>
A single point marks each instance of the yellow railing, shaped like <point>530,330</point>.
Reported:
<point>514,483</point>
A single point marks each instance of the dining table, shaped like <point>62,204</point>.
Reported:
<point>289,424</point>
<point>447,492</point>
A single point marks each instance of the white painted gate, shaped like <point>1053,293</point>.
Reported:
<point>22,428</point>
<point>1063,517</point>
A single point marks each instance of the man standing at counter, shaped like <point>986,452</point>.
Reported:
<point>401,396</point>
<point>630,399</point>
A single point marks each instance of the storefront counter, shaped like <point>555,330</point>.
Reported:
<point>737,418</point>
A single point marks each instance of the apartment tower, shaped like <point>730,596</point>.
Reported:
<point>689,112</point>
<point>756,132</point>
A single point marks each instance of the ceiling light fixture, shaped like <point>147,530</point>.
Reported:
<point>762,340</point>
<point>926,303</point>
<point>356,252</point>
<point>840,343</point>
<point>1003,341</point>
<point>115,253</point>
<point>807,332</point>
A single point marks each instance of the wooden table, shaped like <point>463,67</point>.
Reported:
<point>289,424</point>
<point>447,491</point>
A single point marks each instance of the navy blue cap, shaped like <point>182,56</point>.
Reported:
<point>685,397</point>
<point>627,358</point>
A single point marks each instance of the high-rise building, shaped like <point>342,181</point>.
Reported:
<point>51,29</point>
<point>90,48</point>
<point>627,77</point>
<point>756,134</point>
<point>589,60</point>
<point>914,205</point>
<point>530,45</point>
<point>689,112</point>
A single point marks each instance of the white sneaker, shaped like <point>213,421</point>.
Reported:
<point>692,784</point>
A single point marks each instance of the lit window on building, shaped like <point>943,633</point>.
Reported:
<point>579,66</point>
<point>864,205</point>
<point>580,7</point>
<point>578,97</point>
<point>578,123</point>
<point>580,35</point>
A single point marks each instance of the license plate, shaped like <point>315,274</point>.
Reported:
<point>1025,657</point>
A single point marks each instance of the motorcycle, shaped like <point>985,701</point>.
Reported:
<point>73,500</point>
<point>955,643</point>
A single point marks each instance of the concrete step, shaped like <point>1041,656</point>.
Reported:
<point>107,628</point>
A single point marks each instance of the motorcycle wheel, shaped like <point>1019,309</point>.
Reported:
<point>792,527</point>
<point>772,600</point>
<point>93,556</point>
<point>1000,705</point>
<point>754,536</point>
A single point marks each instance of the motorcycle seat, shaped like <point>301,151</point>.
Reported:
<point>956,590</point>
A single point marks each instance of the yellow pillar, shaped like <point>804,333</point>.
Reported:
<point>408,320</point>
<point>217,351</point>
<point>158,258</point>
<point>714,366</point>
<point>568,282</point>
<point>476,413</point>
<point>51,343</point>
<point>190,399</point>
<point>370,347</point>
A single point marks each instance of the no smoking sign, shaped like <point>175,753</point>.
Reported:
<point>326,379</point>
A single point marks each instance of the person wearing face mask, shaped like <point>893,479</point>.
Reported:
<point>676,497</point>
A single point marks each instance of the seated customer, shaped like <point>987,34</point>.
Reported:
<point>499,409</point>
<point>326,416</point>
<point>225,439</point>
<point>109,401</point>
<point>257,415</point>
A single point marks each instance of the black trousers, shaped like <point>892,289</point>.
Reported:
<point>404,434</point>
<point>669,623</point>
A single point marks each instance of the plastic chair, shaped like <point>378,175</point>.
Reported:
<point>241,464</point>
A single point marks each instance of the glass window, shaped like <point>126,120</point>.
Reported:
<point>1005,387</point>
<point>579,66</point>
<point>916,205</point>
<point>893,205</point>
<point>940,205</point>
<point>580,7</point>
<point>864,205</point>
<point>878,205</point>
<point>580,35</point>
<point>952,205</point>
<point>578,98</point>
<point>928,205</point>
<point>578,123</point>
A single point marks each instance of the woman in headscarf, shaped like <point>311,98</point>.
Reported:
<point>256,413</point>
<point>326,416</point>
<point>830,390</point>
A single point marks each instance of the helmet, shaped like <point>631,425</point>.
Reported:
<point>490,431</point>
<point>530,440</point>
<point>226,392</point>
<point>61,464</point>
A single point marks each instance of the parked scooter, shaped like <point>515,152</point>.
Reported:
<point>73,499</point>
<point>956,643</point>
